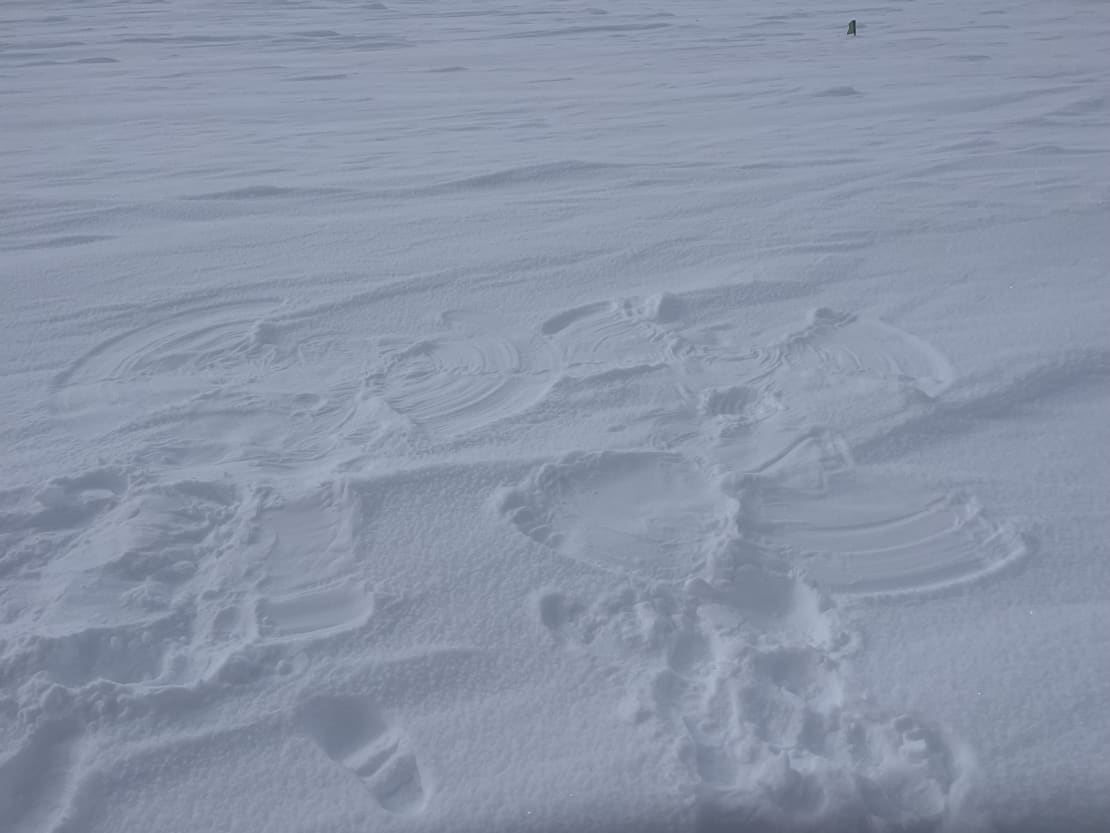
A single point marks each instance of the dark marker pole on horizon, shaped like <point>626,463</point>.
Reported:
<point>851,27</point>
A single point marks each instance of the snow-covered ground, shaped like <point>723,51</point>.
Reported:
<point>458,415</point>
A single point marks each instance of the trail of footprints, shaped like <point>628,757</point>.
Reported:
<point>167,586</point>
<point>737,542</point>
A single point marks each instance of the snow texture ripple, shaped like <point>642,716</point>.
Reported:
<point>460,416</point>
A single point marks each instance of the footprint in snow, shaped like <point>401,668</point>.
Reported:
<point>354,733</point>
<point>35,779</point>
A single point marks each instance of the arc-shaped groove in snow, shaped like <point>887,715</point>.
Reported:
<point>464,379</point>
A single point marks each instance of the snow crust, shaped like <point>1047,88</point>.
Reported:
<point>429,416</point>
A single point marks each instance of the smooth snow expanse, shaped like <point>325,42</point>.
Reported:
<point>454,415</point>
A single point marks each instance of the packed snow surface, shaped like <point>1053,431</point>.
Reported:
<point>457,415</point>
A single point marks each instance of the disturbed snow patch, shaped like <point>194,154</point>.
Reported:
<point>740,540</point>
